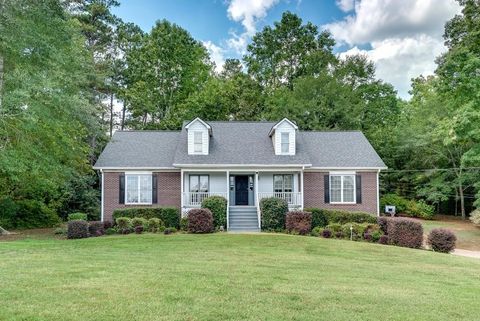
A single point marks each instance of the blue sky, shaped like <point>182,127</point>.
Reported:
<point>402,37</point>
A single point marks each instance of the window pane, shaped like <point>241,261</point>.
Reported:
<point>194,187</point>
<point>197,142</point>
<point>204,183</point>
<point>131,188</point>
<point>335,188</point>
<point>288,183</point>
<point>285,142</point>
<point>277,183</point>
<point>145,188</point>
<point>348,188</point>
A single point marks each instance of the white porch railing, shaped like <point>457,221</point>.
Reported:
<point>293,199</point>
<point>195,199</point>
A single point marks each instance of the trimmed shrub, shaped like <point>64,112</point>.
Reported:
<point>154,224</point>
<point>169,215</point>
<point>200,221</point>
<point>334,227</point>
<point>138,229</point>
<point>77,216</point>
<point>357,229</point>
<point>123,223</point>
<point>96,228</point>
<point>367,237</point>
<point>383,239</point>
<point>139,221</point>
<point>405,232</point>
<point>419,209</point>
<point>273,213</point>
<point>218,206</point>
<point>339,235</point>
<point>127,230</point>
<point>107,225</point>
<point>169,230</point>
<point>318,217</point>
<point>441,240</point>
<point>382,221</point>
<point>376,235</point>
<point>326,233</point>
<point>316,231</point>
<point>184,224</point>
<point>110,231</point>
<point>299,222</point>
<point>342,217</point>
<point>475,216</point>
<point>77,229</point>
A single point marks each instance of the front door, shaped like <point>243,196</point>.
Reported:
<point>241,190</point>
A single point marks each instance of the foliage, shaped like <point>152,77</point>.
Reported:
<point>111,231</point>
<point>139,221</point>
<point>25,214</point>
<point>218,206</point>
<point>60,231</point>
<point>405,232</point>
<point>342,217</point>
<point>318,217</point>
<point>407,207</point>
<point>327,233</point>
<point>77,229</point>
<point>441,240</point>
<point>138,229</point>
<point>298,222</point>
<point>169,215</point>
<point>273,213</point>
<point>398,201</point>
<point>184,224</point>
<point>96,228</point>
<point>123,223</point>
<point>475,216</point>
<point>200,221</point>
<point>317,231</point>
<point>169,230</point>
<point>107,224</point>
<point>383,239</point>
<point>77,216</point>
<point>382,222</point>
<point>334,227</point>
<point>154,224</point>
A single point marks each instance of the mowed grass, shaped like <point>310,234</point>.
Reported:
<point>232,277</point>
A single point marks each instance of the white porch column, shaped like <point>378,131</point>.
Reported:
<point>257,202</point>
<point>301,188</point>
<point>228,198</point>
<point>181,192</point>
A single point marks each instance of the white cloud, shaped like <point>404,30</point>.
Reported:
<point>248,13</point>
<point>216,54</point>
<point>405,36</point>
<point>398,60</point>
<point>345,5</point>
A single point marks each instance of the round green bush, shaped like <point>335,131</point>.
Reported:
<point>154,224</point>
<point>317,231</point>
<point>77,216</point>
<point>273,212</point>
<point>200,220</point>
<point>442,240</point>
<point>123,222</point>
<point>77,229</point>
<point>218,206</point>
<point>139,221</point>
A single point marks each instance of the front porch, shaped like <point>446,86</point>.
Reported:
<point>243,189</point>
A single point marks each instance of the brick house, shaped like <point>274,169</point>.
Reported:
<point>243,162</point>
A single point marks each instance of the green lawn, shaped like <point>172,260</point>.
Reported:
<point>231,277</point>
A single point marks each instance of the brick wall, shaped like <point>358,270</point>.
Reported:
<point>168,192</point>
<point>314,193</point>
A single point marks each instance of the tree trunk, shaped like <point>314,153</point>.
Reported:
<point>462,200</point>
<point>1,81</point>
<point>124,109</point>
<point>111,115</point>
<point>3,231</point>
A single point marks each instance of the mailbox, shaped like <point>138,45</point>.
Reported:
<point>390,209</point>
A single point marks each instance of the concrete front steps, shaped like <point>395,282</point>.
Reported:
<point>243,219</point>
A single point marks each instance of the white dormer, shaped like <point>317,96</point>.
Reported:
<point>283,137</point>
<point>198,133</point>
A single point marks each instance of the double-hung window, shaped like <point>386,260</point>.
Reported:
<point>138,189</point>
<point>198,142</point>
<point>342,188</point>
<point>285,142</point>
<point>283,186</point>
<point>198,188</point>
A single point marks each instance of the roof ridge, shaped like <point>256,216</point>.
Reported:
<point>331,131</point>
<point>149,131</point>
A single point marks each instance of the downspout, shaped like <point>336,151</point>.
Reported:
<point>378,193</point>
<point>181,192</point>
<point>301,187</point>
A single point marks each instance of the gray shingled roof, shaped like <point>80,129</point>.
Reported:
<point>139,149</point>
<point>238,143</point>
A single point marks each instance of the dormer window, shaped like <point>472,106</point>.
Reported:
<point>197,142</point>
<point>283,137</point>
<point>285,142</point>
<point>198,136</point>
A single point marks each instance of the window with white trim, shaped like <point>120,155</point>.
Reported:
<point>197,142</point>
<point>138,189</point>
<point>285,142</point>
<point>342,188</point>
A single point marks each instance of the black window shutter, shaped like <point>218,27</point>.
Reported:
<point>358,184</point>
<point>154,189</point>
<point>121,189</point>
<point>326,187</point>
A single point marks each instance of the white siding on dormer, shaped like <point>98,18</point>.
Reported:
<point>197,126</point>
<point>284,127</point>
